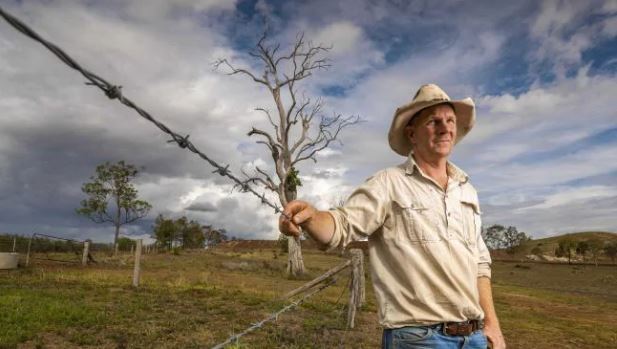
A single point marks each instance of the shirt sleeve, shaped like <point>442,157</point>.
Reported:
<point>484,257</point>
<point>362,214</point>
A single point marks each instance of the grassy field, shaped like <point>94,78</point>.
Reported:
<point>198,299</point>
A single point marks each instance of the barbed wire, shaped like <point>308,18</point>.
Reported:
<point>115,92</point>
<point>274,316</point>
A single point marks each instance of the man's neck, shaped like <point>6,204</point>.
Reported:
<point>436,169</point>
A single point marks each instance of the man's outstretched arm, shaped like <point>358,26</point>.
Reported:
<point>492,329</point>
<point>318,224</point>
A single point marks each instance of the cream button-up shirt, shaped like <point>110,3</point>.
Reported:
<point>425,247</point>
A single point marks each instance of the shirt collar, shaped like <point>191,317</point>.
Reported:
<point>453,171</point>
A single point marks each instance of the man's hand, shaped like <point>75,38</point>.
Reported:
<point>300,213</point>
<point>492,330</point>
<point>495,337</point>
<point>318,224</point>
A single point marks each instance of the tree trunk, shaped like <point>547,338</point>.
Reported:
<point>116,239</point>
<point>117,223</point>
<point>295,263</point>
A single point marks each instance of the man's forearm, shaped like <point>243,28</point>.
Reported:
<point>492,328</point>
<point>320,227</point>
<point>486,301</point>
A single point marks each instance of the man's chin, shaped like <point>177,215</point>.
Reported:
<point>443,151</point>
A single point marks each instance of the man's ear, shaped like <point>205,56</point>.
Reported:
<point>409,133</point>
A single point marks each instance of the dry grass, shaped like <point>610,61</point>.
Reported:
<point>198,299</point>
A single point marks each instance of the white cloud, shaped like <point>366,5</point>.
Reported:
<point>56,129</point>
<point>343,36</point>
<point>568,196</point>
<point>562,33</point>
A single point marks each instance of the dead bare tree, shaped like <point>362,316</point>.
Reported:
<point>300,129</point>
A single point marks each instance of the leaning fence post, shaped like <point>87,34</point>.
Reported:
<point>136,270</point>
<point>356,287</point>
<point>14,242</point>
<point>84,256</point>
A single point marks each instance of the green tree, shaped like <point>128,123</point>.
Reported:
<point>190,232</point>
<point>595,248</point>
<point>112,198</point>
<point>125,244</point>
<point>537,251</point>
<point>610,250</point>
<point>582,247</point>
<point>494,236</point>
<point>165,232</point>
<point>513,239</point>
<point>565,248</point>
<point>214,236</point>
<point>181,232</point>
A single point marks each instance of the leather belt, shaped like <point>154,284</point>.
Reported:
<point>464,328</point>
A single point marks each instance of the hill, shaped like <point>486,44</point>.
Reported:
<point>549,244</point>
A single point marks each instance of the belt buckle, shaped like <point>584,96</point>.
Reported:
<point>464,328</point>
<point>445,329</point>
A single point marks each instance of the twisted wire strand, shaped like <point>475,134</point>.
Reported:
<point>115,92</point>
<point>273,316</point>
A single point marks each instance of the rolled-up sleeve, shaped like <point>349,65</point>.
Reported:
<point>362,214</point>
<point>484,257</point>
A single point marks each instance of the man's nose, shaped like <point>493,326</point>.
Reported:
<point>442,127</point>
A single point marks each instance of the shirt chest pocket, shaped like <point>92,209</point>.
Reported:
<point>416,222</point>
<point>470,215</point>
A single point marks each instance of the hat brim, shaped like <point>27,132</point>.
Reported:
<point>465,119</point>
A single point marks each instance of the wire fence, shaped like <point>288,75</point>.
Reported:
<point>274,316</point>
<point>115,92</point>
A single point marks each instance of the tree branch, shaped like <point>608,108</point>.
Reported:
<point>275,126</point>
<point>265,180</point>
<point>329,130</point>
<point>235,71</point>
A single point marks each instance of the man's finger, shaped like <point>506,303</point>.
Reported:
<point>303,216</point>
<point>287,227</point>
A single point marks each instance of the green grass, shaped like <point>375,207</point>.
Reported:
<point>196,300</point>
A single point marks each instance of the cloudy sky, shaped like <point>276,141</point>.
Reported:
<point>543,154</point>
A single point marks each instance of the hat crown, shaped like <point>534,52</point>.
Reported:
<point>429,93</point>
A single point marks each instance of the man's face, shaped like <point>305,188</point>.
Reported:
<point>433,132</point>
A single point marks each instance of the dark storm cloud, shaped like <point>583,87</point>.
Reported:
<point>202,207</point>
<point>54,130</point>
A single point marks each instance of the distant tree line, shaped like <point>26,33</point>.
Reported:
<point>184,233</point>
<point>509,238</point>
<point>594,247</point>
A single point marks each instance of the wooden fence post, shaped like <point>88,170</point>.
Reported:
<point>84,256</point>
<point>136,270</point>
<point>14,243</point>
<point>356,287</point>
<point>28,254</point>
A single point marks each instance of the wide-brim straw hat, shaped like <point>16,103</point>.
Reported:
<point>428,96</point>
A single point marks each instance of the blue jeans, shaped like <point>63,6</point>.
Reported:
<point>430,337</point>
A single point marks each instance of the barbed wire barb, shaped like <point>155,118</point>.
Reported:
<point>115,92</point>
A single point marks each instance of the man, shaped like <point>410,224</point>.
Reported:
<point>429,264</point>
